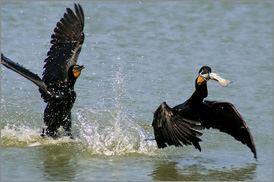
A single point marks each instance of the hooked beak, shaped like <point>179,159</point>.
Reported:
<point>80,68</point>
<point>215,76</point>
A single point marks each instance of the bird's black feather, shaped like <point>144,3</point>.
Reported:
<point>172,129</point>
<point>57,85</point>
<point>67,41</point>
<point>225,117</point>
<point>24,72</point>
<point>179,125</point>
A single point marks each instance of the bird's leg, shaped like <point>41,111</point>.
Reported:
<point>49,132</point>
<point>43,132</point>
<point>67,125</point>
<point>52,131</point>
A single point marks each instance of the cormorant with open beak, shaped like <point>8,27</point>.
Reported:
<point>178,125</point>
<point>60,71</point>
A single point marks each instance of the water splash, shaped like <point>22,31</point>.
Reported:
<point>114,131</point>
<point>13,135</point>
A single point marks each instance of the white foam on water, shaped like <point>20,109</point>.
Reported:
<point>13,135</point>
<point>112,133</point>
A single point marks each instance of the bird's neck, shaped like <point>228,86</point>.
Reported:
<point>200,93</point>
<point>71,83</point>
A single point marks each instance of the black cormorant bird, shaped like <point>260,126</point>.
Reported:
<point>179,125</point>
<point>60,71</point>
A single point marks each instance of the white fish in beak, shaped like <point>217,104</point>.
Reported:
<point>216,77</point>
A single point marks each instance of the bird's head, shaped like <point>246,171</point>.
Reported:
<point>76,70</point>
<point>205,74</point>
<point>202,78</point>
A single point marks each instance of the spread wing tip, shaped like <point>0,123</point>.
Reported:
<point>70,28</point>
<point>172,129</point>
<point>66,41</point>
<point>25,73</point>
<point>232,122</point>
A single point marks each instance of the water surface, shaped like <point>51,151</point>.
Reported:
<point>137,55</point>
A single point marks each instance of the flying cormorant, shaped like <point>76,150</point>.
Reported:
<point>60,71</point>
<point>179,125</point>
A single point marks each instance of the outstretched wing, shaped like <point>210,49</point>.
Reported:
<point>173,129</point>
<point>67,41</point>
<point>225,117</point>
<point>24,72</point>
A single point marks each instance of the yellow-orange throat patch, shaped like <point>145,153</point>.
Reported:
<point>200,80</point>
<point>76,73</point>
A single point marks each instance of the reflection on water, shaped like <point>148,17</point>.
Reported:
<point>59,162</point>
<point>170,171</point>
<point>137,55</point>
